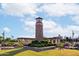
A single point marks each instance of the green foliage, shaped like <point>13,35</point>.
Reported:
<point>61,45</point>
<point>76,45</point>
<point>10,43</point>
<point>7,40</point>
<point>40,44</point>
<point>0,39</point>
<point>10,40</point>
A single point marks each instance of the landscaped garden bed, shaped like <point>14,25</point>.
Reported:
<point>40,46</point>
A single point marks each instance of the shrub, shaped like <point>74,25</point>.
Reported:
<point>40,44</point>
<point>76,45</point>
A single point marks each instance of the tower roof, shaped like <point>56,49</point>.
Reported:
<point>39,18</point>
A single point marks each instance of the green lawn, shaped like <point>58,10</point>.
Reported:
<point>53,52</point>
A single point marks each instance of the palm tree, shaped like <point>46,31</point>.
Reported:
<point>73,34</point>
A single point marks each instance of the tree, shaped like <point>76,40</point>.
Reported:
<point>76,45</point>
<point>1,39</point>
<point>8,39</point>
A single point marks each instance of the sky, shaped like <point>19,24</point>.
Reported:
<point>18,19</point>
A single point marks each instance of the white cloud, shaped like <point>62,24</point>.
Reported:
<point>27,36</point>
<point>19,9</point>
<point>29,23</point>
<point>76,19</point>
<point>29,26</point>
<point>6,29</point>
<point>60,9</point>
<point>48,24</point>
<point>73,27</point>
<point>51,28</point>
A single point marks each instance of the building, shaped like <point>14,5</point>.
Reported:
<point>39,29</point>
<point>39,34</point>
<point>26,41</point>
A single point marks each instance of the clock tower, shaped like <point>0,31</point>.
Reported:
<point>39,29</point>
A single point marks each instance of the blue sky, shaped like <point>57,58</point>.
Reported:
<point>18,19</point>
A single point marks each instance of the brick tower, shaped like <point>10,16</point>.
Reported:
<point>39,29</point>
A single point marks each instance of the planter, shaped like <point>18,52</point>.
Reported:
<point>40,48</point>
